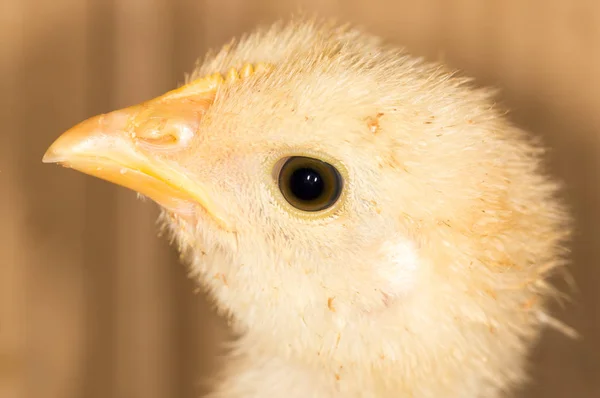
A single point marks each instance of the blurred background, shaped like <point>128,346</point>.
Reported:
<point>93,304</point>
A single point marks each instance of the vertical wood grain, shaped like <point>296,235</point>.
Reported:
<point>50,84</point>
<point>12,265</point>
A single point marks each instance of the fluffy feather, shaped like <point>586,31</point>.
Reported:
<point>428,281</point>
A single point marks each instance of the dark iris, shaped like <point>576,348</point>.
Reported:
<point>306,184</point>
<point>309,184</point>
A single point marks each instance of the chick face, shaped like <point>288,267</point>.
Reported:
<point>342,198</point>
<point>232,182</point>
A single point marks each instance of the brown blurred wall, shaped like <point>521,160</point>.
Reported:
<point>93,304</point>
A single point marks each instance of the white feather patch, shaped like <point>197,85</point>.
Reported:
<point>400,265</point>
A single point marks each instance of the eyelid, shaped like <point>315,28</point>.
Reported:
<point>276,169</point>
<point>275,161</point>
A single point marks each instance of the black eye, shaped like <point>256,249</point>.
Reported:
<point>309,184</point>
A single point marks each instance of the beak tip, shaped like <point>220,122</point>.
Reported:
<point>52,155</point>
<point>48,158</point>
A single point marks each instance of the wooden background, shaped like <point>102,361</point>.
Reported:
<point>92,304</point>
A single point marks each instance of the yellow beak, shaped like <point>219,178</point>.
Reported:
<point>125,148</point>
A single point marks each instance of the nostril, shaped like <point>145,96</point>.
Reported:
<point>165,139</point>
<point>164,134</point>
<point>181,131</point>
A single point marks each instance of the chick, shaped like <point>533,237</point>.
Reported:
<point>370,223</point>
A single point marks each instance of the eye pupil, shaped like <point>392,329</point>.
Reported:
<point>306,184</point>
<point>309,184</point>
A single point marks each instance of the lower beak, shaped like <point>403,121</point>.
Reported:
<point>102,147</point>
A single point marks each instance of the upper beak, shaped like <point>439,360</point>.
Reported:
<point>124,147</point>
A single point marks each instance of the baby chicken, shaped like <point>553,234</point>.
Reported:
<point>370,223</point>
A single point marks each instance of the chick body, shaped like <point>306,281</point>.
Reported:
<point>465,192</point>
<point>428,279</point>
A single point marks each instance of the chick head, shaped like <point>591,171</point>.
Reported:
<point>342,199</point>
